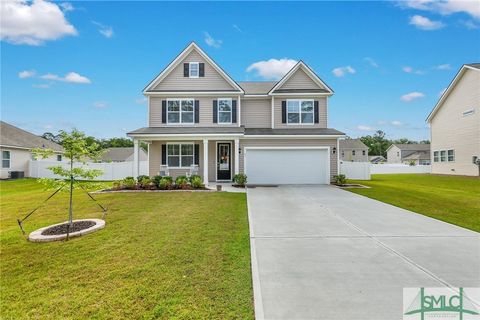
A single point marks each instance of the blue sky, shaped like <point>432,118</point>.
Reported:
<point>84,64</point>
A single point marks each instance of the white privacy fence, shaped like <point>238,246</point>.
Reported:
<point>387,168</point>
<point>363,170</point>
<point>355,170</point>
<point>111,170</point>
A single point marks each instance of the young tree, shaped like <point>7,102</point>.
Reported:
<point>76,148</point>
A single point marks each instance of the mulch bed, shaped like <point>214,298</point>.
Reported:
<point>62,228</point>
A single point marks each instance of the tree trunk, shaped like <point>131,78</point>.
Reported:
<point>70,210</point>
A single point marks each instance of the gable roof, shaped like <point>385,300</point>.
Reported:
<point>257,87</point>
<point>412,146</point>
<point>192,46</point>
<point>418,155</point>
<point>12,136</point>
<point>460,73</point>
<point>309,72</point>
<point>352,144</point>
<point>122,154</point>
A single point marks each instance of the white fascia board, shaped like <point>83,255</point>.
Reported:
<point>308,71</point>
<point>193,93</point>
<point>450,87</point>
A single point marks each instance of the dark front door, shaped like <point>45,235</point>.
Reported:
<point>224,163</point>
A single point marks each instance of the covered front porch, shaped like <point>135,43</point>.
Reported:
<point>213,158</point>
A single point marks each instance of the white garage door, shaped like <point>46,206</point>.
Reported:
<point>287,166</point>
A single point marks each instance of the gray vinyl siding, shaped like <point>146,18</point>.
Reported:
<point>322,110</point>
<point>300,80</point>
<point>176,81</point>
<point>346,154</point>
<point>206,112</point>
<point>291,143</point>
<point>155,159</point>
<point>257,113</point>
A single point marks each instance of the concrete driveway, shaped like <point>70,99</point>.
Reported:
<point>319,252</point>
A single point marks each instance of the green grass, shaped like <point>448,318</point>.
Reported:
<point>452,199</point>
<point>161,256</point>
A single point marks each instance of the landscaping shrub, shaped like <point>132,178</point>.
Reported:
<point>118,185</point>
<point>147,183</point>
<point>129,182</point>
<point>141,178</point>
<point>165,183</point>
<point>240,179</point>
<point>182,182</point>
<point>156,180</point>
<point>340,179</point>
<point>196,182</point>
<point>193,176</point>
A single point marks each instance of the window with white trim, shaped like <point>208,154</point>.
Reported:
<point>224,110</point>
<point>5,159</point>
<point>59,157</point>
<point>424,162</point>
<point>436,156</point>
<point>180,111</point>
<point>451,155</point>
<point>194,70</point>
<point>353,152</point>
<point>363,152</point>
<point>443,156</point>
<point>300,112</point>
<point>180,155</point>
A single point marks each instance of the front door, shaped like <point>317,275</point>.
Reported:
<point>224,163</point>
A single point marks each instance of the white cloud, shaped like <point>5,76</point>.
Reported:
<point>445,7</point>
<point>100,104</point>
<point>445,66</point>
<point>33,23</point>
<point>236,28</point>
<point>104,30</point>
<point>469,24</point>
<point>396,123</point>
<point>141,100</point>
<point>342,71</point>
<point>371,62</point>
<point>412,96</point>
<point>71,77</point>
<point>27,74</point>
<point>424,23</point>
<point>67,6</point>
<point>41,86</point>
<point>409,69</point>
<point>365,128</point>
<point>211,41</point>
<point>272,69</point>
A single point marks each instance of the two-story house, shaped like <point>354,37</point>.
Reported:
<point>455,125</point>
<point>353,150</point>
<point>274,132</point>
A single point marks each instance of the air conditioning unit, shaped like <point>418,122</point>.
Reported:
<point>17,174</point>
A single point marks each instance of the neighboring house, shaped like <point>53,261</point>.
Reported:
<point>417,153</point>
<point>15,147</point>
<point>377,159</point>
<point>455,125</point>
<point>122,154</point>
<point>353,150</point>
<point>275,132</point>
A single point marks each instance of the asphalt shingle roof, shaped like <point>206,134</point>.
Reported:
<point>474,65</point>
<point>309,131</point>
<point>257,87</point>
<point>413,147</point>
<point>122,154</point>
<point>16,137</point>
<point>352,144</point>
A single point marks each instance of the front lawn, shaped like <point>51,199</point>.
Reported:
<point>160,256</point>
<point>451,199</point>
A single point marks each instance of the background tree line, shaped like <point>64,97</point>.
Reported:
<point>103,143</point>
<point>377,143</point>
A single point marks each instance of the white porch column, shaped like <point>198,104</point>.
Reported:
<point>236,155</point>
<point>136,161</point>
<point>205,161</point>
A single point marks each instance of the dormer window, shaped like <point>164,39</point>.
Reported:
<point>194,70</point>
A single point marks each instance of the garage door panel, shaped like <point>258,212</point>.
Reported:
<point>287,166</point>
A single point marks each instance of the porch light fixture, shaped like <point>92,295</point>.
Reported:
<point>334,150</point>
